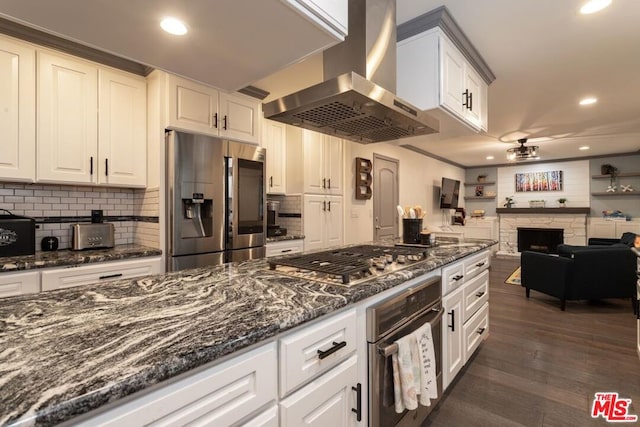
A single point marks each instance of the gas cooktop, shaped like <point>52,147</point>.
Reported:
<point>348,265</point>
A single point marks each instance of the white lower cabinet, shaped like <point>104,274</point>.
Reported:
<point>465,298</point>
<point>285,247</point>
<point>58,278</point>
<point>221,395</point>
<point>327,401</point>
<point>315,349</point>
<point>13,284</point>
<point>452,350</point>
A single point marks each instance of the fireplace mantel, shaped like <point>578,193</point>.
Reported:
<point>546,211</point>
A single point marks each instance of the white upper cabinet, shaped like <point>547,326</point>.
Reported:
<point>274,140</point>
<point>240,117</point>
<point>202,109</point>
<point>323,156</point>
<point>67,119</point>
<point>432,73</point>
<point>17,111</point>
<point>122,150</point>
<point>91,123</point>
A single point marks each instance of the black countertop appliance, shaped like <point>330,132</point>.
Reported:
<point>17,235</point>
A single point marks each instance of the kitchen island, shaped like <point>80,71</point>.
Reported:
<point>70,351</point>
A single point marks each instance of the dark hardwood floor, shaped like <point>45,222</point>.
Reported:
<point>541,366</point>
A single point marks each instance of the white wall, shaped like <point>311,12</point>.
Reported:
<point>419,181</point>
<point>576,184</point>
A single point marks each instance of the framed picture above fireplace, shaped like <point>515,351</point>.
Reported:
<point>539,181</point>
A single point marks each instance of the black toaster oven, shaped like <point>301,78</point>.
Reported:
<point>17,235</point>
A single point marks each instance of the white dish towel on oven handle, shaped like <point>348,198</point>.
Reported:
<point>427,365</point>
<point>408,365</point>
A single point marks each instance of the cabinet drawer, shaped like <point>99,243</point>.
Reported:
<point>476,264</point>
<point>301,355</point>
<point>285,247</point>
<point>476,293</point>
<point>220,395</point>
<point>452,277</point>
<point>475,330</point>
<point>12,284</point>
<point>59,278</point>
<point>268,418</point>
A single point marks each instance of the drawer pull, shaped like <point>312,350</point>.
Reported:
<point>480,294</point>
<point>284,251</point>
<point>480,264</point>
<point>336,346</point>
<point>453,320</point>
<point>110,276</point>
<point>358,408</point>
<point>480,331</point>
<point>458,277</point>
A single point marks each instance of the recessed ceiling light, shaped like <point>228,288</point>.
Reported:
<point>594,6</point>
<point>584,147</point>
<point>588,101</point>
<point>173,26</point>
<point>490,157</point>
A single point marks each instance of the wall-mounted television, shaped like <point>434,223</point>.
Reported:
<point>449,193</point>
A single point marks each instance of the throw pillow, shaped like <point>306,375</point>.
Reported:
<point>628,239</point>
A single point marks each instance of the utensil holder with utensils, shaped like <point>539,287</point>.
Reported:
<point>411,229</point>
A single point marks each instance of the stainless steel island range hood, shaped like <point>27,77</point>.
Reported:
<point>347,104</point>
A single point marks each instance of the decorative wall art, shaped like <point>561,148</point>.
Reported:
<point>539,181</point>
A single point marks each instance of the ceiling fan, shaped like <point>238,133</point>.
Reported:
<point>522,152</point>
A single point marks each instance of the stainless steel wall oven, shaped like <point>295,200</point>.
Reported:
<point>388,321</point>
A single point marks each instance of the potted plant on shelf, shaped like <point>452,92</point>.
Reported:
<point>509,202</point>
<point>562,201</point>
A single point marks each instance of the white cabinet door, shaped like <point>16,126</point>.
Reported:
<point>452,323</point>
<point>314,209</point>
<point>602,228</point>
<point>17,111</point>
<point>333,225</point>
<point>13,284</point>
<point>274,140</point>
<point>193,106</point>
<point>473,109</point>
<point>314,163</point>
<point>220,395</point>
<point>67,119</point>
<point>122,138</point>
<point>452,78</point>
<point>327,401</point>
<point>240,118</point>
<point>58,278</point>
<point>333,164</point>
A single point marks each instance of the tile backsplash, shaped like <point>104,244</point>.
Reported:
<point>292,205</point>
<point>55,207</point>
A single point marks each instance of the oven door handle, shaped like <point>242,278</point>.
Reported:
<point>393,348</point>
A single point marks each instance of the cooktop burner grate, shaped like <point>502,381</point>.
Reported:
<point>343,262</point>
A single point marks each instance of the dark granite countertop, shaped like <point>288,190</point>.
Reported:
<point>67,257</point>
<point>69,351</point>
<point>287,237</point>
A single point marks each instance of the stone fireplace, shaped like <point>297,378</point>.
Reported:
<point>571,221</point>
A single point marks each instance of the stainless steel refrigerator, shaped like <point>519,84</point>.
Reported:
<point>215,201</point>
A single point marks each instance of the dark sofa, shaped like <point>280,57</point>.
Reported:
<point>581,272</point>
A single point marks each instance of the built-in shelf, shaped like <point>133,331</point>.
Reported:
<point>550,211</point>
<point>617,193</point>
<point>618,175</point>
<point>479,197</point>
<point>473,184</point>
